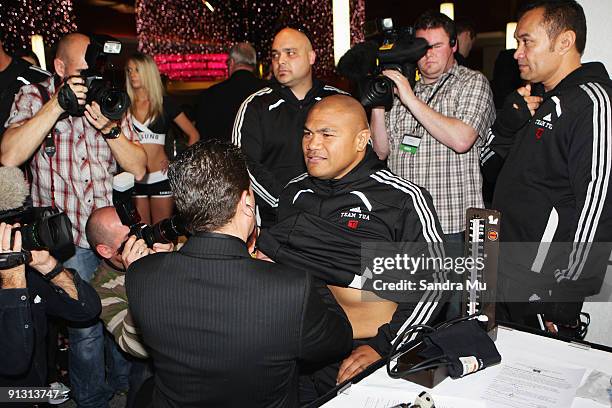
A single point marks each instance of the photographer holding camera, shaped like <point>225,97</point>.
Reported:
<point>112,241</point>
<point>27,296</point>
<point>73,158</point>
<point>430,136</point>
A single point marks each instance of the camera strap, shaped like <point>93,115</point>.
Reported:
<point>49,148</point>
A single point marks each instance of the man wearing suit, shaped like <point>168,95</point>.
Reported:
<point>217,105</point>
<point>225,329</point>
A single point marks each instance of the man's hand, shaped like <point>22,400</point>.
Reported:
<point>77,85</point>
<point>12,278</point>
<point>533,102</point>
<point>263,257</point>
<point>133,250</point>
<point>164,166</point>
<point>551,327</point>
<point>358,361</point>
<point>97,119</point>
<point>159,247</point>
<point>42,261</point>
<point>403,88</point>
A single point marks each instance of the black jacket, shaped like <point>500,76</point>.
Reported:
<point>16,75</point>
<point>269,128</point>
<point>23,324</point>
<point>322,225</point>
<point>554,186</point>
<point>226,330</point>
<point>217,105</point>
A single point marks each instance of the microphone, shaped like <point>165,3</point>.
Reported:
<point>13,188</point>
<point>359,61</point>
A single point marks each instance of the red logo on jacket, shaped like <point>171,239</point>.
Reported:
<point>539,132</point>
<point>352,224</point>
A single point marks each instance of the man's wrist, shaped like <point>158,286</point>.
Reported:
<point>55,106</point>
<point>46,267</point>
<point>111,131</point>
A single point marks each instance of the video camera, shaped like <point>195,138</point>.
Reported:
<point>42,228</point>
<point>102,80</point>
<point>165,231</point>
<point>386,48</point>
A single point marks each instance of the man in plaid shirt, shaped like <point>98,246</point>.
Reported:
<point>76,179</point>
<point>431,135</point>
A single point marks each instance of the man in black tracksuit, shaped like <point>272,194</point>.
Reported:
<point>269,123</point>
<point>347,198</point>
<point>554,184</point>
<point>14,73</point>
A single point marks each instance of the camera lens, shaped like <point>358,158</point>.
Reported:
<point>169,229</point>
<point>113,103</point>
<point>52,233</point>
<point>378,92</point>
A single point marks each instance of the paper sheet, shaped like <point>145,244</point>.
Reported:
<point>536,384</point>
<point>358,396</point>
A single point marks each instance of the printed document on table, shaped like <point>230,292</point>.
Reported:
<point>358,396</point>
<point>533,384</point>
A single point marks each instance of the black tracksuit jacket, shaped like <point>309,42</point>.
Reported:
<point>554,186</point>
<point>269,126</point>
<point>322,225</point>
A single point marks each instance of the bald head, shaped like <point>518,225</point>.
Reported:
<point>336,135</point>
<point>347,110</point>
<point>295,36</point>
<point>104,228</point>
<point>292,60</point>
<point>70,55</point>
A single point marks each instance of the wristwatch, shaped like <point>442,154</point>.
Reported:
<point>113,133</point>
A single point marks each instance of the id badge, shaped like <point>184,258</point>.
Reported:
<point>410,143</point>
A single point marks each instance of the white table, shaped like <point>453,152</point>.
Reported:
<point>512,345</point>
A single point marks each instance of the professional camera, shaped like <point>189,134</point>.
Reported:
<point>165,231</point>
<point>102,79</point>
<point>41,229</point>
<point>386,48</point>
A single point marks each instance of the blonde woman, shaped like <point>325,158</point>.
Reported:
<point>152,113</point>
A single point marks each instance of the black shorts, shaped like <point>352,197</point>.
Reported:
<point>161,189</point>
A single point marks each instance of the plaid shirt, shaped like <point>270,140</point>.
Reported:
<point>452,179</point>
<point>83,165</point>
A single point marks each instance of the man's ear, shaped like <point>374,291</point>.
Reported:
<point>104,251</point>
<point>60,67</point>
<point>312,57</point>
<point>246,200</point>
<point>565,42</point>
<point>363,138</point>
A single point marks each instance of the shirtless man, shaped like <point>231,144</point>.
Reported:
<point>349,197</point>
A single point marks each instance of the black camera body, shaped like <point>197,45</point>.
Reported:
<point>165,231</point>
<point>101,79</point>
<point>42,228</point>
<point>388,48</point>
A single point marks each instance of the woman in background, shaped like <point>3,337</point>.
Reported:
<point>151,115</point>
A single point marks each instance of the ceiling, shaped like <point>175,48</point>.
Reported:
<point>116,17</point>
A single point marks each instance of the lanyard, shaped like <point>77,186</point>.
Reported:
<point>431,99</point>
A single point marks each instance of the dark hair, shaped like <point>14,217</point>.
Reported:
<point>27,53</point>
<point>465,24</point>
<point>207,180</point>
<point>559,16</point>
<point>435,19</point>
